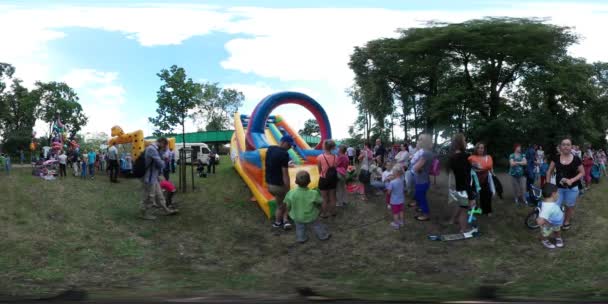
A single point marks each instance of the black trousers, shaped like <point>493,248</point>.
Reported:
<point>485,198</point>
<point>211,165</point>
<point>113,166</point>
<point>62,171</point>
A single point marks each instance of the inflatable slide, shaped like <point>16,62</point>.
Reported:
<point>255,133</point>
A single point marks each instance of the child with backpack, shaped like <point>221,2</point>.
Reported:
<point>303,207</point>
<point>396,194</point>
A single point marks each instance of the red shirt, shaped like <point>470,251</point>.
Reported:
<point>167,186</point>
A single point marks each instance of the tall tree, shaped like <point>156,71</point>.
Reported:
<point>311,128</point>
<point>19,116</point>
<point>58,100</point>
<point>217,106</point>
<point>176,97</point>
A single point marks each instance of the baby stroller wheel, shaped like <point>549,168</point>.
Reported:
<point>530,221</point>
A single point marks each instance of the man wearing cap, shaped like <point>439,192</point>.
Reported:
<point>277,179</point>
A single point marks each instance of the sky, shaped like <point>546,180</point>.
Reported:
<point>110,51</point>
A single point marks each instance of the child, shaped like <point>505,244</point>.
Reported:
<point>397,197</point>
<point>387,176</point>
<point>543,172</point>
<point>303,206</point>
<point>83,168</point>
<point>551,217</point>
<point>168,190</point>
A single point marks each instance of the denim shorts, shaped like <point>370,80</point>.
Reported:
<point>567,196</point>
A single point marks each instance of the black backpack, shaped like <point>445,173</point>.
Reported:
<point>139,167</point>
<point>332,174</point>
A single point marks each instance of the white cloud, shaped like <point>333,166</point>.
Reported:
<point>292,45</point>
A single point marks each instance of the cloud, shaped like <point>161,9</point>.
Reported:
<point>292,45</point>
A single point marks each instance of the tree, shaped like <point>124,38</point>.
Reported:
<point>311,128</point>
<point>19,116</point>
<point>58,100</point>
<point>217,106</point>
<point>176,97</point>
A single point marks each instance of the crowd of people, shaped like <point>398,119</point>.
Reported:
<point>403,176</point>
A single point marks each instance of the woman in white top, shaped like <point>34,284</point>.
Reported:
<point>402,158</point>
<point>365,159</point>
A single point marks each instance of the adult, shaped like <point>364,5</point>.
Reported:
<point>568,173</point>
<point>350,151</point>
<point>103,159</point>
<point>167,159</point>
<point>421,169</point>
<point>365,159</point>
<point>153,194</point>
<point>588,163</point>
<point>410,175</point>
<point>113,163</point>
<point>379,152</point>
<point>63,160</point>
<point>483,166</point>
<point>517,165</point>
<point>328,183</point>
<point>21,156</point>
<point>76,163</point>
<point>343,162</point>
<point>172,161</point>
<point>277,179</point>
<point>212,159</point>
<point>530,164</point>
<point>540,155</point>
<point>92,157</point>
<point>403,157</point>
<point>461,169</point>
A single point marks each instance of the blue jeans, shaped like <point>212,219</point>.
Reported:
<point>92,169</point>
<point>420,194</point>
<point>567,196</point>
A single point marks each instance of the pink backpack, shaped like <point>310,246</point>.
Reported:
<point>435,167</point>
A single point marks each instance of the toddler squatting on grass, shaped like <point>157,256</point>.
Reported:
<point>303,207</point>
<point>551,218</point>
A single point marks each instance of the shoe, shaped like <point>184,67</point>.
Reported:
<point>559,243</point>
<point>277,225</point>
<point>170,211</point>
<point>147,216</point>
<point>395,225</point>
<point>548,244</point>
<point>401,223</point>
<point>287,225</point>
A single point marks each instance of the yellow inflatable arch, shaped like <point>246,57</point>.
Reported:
<point>136,139</point>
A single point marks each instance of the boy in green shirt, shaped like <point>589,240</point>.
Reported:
<point>303,206</point>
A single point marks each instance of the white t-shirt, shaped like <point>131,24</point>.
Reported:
<point>112,153</point>
<point>350,151</point>
<point>385,176</point>
<point>552,213</point>
<point>62,159</point>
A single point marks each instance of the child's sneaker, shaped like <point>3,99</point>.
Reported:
<point>548,244</point>
<point>277,225</point>
<point>559,243</point>
<point>287,225</point>
<point>401,223</point>
<point>395,225</point>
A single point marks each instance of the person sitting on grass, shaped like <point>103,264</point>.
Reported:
<point>168,191</point>
<point>396,192</point>
<point>551,217</point>
<point>303,206</point>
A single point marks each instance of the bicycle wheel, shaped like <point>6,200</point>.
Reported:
<point>531,220</point>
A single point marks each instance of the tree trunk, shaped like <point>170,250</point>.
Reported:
<point>182,173</point>
<point>415,117</point>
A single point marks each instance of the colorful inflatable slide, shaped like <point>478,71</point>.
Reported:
<point>253,134</point>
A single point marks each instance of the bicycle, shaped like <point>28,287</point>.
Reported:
<point>534,198</point>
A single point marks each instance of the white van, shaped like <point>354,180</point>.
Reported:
<point>203,152</point>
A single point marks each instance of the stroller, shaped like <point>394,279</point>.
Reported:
<point>45,169</point>
<point>596,173</point>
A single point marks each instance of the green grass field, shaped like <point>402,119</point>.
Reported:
<point>83,233</point>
